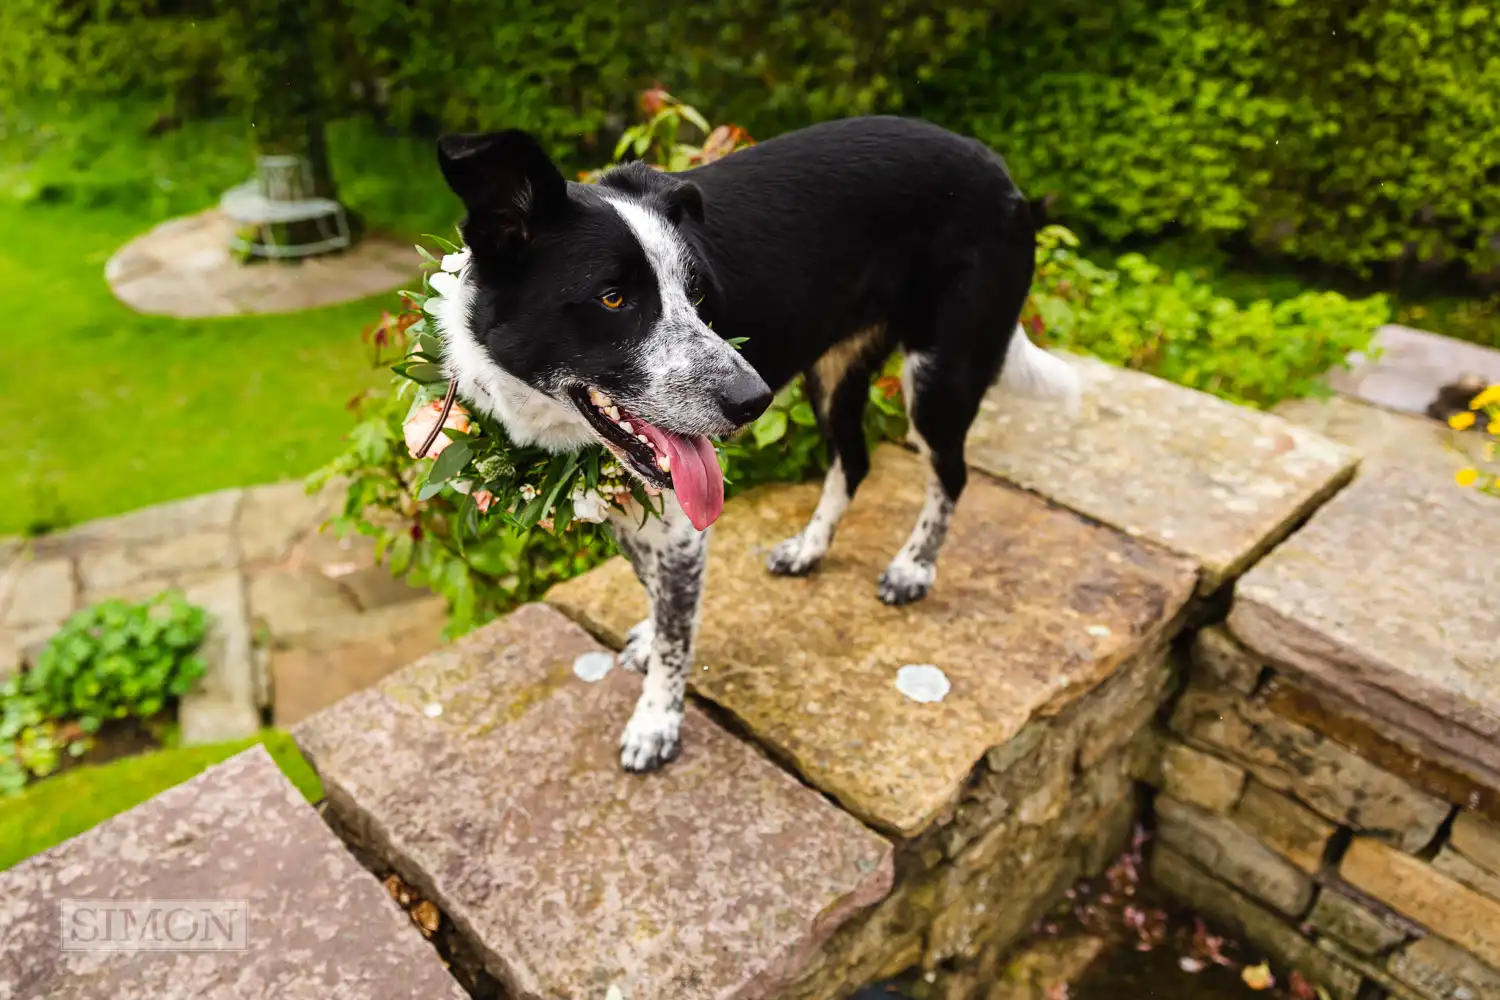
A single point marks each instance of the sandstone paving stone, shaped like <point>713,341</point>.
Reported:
<point>1388,591</point>
<point>207,513</point>
<point>20,646</point>
<point>1303,763</point>
<point>488,776</point>
<point>1216,482</point>
<point>1293,830</point>
<point>1220,655</point>
<point>1440,971</point>
<point>1407,367</point>
<point>1232,853</point>
<point>1033,608</point>
<point>273,518</point>
<point>121,566</point>
<point>1419,891</point>
<point>1200,779</point>
<point>1340,917</point>
<point>1384,437</point>
<point>319,926</point>
<point>1262,928</point>
<point>350,653</point>
<point>42,592</point>
<point>224,705</point>
<point>1456,866</point>
<point>292,603</point>
<point>1477,839</point>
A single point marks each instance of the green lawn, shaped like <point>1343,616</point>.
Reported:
<point>54,810</point>
<point>104,410</point>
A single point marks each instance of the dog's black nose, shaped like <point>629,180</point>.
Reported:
<point>744,398</point>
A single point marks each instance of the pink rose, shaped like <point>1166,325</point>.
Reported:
<point>421,423</point>
<point>483,499</point>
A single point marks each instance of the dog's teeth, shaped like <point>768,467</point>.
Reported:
<point>626,427</point>
<point>643,439</point>
<point>613,412</point>
<point>663,463</point>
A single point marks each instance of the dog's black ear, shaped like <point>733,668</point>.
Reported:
<point>683,198</point>
<point>507,182</point>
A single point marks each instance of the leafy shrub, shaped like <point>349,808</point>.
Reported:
<point>110,661</point>
<point>1361,133</point>
<point>1140,316</point>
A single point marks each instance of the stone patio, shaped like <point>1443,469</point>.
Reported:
<point>184,268</point>
<point>300,618</point>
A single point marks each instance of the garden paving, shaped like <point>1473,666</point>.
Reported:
<point>184,268</point>
<point>314,924</point>
<point>299,617</point>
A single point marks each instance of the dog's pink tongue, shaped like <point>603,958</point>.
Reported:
<point>696,478</point>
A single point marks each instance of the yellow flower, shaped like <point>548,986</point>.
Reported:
<point>1488,397</point>
<point>1461,421</point>
<point>1466,477</point>
<point>1493,429</point>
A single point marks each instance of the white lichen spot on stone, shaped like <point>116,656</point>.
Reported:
<point>432,710</point>
<point>922,682</point>
<point>1099,631</point>
<point>614,992</point>
<point>593,667</point>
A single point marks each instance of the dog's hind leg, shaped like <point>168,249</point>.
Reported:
<point>673,555</point>
<point>838,387</point>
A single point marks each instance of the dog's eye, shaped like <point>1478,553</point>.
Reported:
<point>612,299</point>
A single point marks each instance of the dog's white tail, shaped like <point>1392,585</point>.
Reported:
<point>1031,371</point>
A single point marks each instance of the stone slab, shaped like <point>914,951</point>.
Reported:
<point>1388,592</point>
<point>1458,866</point>
<point>1340,917</point>
<point>1233,853</point>
<point>1385,437</point>
<point>204,514</point>
<point>272,518</point>
<point>1290,828</point>
<point>1440,971</point>
<point>1415,889</point>
<point>1477,840</point>
<point>225,704</point>
<point>1336,782</point>
<point>116,567</point>
<point>184,268</point>
<point>1217,482</point>
<point>352,653</point>
<point>1410,755</point>
<point>488,776</point>
<point>1265,930</point>
<point>1412,366</point>
<point>1033,607</point>
<point>1200,779</point>
<point>42,592</point>
<point>320,927</point>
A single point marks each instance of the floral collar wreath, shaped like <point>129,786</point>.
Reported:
<point>472,454</point>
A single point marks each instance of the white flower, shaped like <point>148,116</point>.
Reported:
<point>461,485</point>
<point>454,262</point>
<point>591,507</point>
<point>443,283</point>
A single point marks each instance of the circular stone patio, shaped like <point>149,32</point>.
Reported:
<point>183,268</point>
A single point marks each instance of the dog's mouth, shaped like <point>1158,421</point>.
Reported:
<point>686,465</point>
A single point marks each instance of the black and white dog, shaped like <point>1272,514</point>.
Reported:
<point>599,313</point>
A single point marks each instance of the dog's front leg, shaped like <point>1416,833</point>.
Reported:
<point>670,556</point>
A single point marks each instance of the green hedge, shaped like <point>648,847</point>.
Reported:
<point>1361,133</point>
<point>1355,132</point>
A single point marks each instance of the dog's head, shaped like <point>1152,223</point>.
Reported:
<point>579,316</point>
